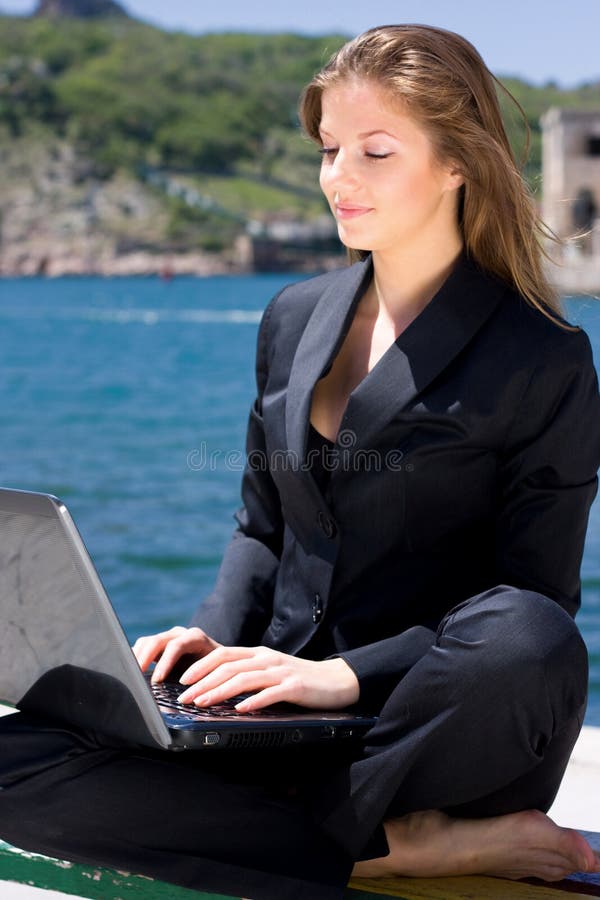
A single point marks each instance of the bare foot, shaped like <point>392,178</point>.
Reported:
<point>521,845</point>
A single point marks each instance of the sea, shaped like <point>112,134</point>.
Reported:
<point>128,398</point>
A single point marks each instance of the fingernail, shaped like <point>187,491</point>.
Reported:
<point>583,864</point>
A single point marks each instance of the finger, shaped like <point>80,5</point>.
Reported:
<point>171,653</point>
<point>183,641</point>
<point>141,652</point>
<point>242,683</point>
<point>149,647</point>
<point>213,660</point>
<point>276,693</point>
<point>219,676</point>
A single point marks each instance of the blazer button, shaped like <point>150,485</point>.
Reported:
<point>327,525</point>
<point>317,609</point>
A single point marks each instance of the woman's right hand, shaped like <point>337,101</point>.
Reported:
<point>168,647</point>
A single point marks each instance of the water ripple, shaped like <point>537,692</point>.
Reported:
<point>121,316</point>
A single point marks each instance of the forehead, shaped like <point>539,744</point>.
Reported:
<point>363,104</point>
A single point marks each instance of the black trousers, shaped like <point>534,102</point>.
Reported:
<point>482,724</point>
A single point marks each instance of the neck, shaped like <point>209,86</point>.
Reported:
<point>406,280</point>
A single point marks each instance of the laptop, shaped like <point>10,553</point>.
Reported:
<point>64,654</point>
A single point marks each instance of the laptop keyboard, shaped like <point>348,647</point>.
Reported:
<point>167,692</point>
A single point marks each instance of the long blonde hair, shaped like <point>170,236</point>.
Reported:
<point>440,79</point>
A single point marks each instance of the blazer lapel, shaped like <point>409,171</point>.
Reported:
<point>319,344</point>
<point>424,349</point>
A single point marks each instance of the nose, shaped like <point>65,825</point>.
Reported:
<point>339,173</point>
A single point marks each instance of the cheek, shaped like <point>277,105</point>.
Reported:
<point>415,189</point>
<point>325,181</point>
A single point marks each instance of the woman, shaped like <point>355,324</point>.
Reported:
<point>422,456</point>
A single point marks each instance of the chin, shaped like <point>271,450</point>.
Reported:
<point>353,241</point>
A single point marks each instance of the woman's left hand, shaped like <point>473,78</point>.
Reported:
<point>271,677</point>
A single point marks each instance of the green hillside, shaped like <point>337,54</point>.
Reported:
<point>215,112</point>
<point>131,94</point>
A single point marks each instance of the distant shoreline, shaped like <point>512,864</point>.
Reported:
<point>163,265</point>
<point>569,279</point>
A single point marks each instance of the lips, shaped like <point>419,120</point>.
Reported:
<point>350,211</point>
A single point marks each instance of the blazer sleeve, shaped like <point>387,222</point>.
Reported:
<point>239,609</point>
<point>546,482</point>
<point>548,477</point>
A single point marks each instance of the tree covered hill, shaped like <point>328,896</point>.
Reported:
<point>129,93</point>
<point>79,9</point>
<point>132,94</point>
<point>217,111</point>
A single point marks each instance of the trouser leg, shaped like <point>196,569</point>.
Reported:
<point>210,824</point>
<point>483,724</point>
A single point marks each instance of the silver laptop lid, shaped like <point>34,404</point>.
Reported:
<point>63,652</point>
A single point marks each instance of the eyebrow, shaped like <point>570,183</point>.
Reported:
<point>365,134</point>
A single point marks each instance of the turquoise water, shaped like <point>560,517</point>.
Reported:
<point>128,398</point>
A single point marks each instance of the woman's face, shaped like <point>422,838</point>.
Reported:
<point>379,174</point>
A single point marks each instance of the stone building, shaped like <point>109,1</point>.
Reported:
<point>571,192</point>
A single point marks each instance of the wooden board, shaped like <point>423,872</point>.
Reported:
<point>468,887</point>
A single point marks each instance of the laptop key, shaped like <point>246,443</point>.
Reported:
<point>166,694</point>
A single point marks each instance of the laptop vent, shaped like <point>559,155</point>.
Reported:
<point>257,739</point>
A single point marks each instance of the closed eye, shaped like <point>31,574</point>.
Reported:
<point>329,152</point>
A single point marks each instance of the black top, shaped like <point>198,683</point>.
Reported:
<point>319,458</point>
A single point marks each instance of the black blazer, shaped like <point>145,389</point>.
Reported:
<point>466,459</point>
